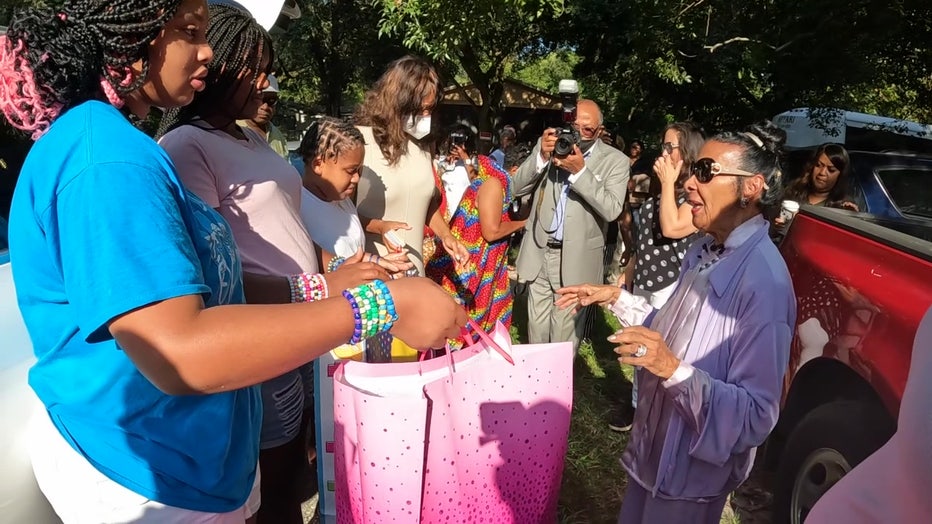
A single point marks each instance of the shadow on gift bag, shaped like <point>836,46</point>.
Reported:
<point>463,438</point>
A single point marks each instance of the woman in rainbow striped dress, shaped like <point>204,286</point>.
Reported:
<point>482,223</point>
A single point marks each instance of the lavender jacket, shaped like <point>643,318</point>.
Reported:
<point>703,447</point>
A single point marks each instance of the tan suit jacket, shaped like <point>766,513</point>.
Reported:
<point>593,200</point>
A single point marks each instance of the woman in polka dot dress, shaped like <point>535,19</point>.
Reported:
<point>665,230</point>
<point>664,233</point>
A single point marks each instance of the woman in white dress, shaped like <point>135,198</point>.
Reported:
<point>396,196</point>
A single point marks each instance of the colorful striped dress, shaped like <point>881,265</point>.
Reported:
<point>482,285</point>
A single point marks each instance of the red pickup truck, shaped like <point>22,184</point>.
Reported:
<point>862,285</point>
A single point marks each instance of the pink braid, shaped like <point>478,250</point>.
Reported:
<point>20,100</point>
<point>127,76</point>
<point>112,96</point>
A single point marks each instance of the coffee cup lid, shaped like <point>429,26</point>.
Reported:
<point>791,205</point>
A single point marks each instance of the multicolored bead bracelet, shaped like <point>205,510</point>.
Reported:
<point>308,288</point>
<point>373,310</point>
<point>335,264</point>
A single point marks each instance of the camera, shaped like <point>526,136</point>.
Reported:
<point>457,138</point>
<point>567,136</point>
<point>520,208</point>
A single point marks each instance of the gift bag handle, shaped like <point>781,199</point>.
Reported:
<point>487,339</point>
<point>483,336</point>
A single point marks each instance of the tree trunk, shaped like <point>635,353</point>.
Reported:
<point>336,73</point>
<point>489,112</point>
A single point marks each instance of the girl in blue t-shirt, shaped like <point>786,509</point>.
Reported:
<point>131,287</point>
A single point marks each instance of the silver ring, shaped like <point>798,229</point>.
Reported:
<point>641,351</point>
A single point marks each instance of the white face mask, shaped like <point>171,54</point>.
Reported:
<point>418,127</point>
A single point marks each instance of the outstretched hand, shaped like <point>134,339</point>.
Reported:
<point>457,250</point>
<point>387,226</point>
<point>352,274</point>
<point>583,295</point>
<point>394,263</point>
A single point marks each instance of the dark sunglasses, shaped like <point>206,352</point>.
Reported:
<point>705,169</point>
<point>270,101</point>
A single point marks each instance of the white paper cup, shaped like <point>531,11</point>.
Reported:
<point>788,210</point>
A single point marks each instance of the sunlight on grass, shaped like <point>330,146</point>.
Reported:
<point>588,355</point>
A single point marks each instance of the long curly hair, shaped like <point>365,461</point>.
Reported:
<point>396,97</point>
<point>239,44</point>
<point>53,60</point>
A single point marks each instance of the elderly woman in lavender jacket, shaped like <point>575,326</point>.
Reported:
<point>714,356</point>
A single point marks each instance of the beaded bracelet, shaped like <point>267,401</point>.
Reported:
<point>308,288</point>
<point>373,310</point>
<point>316,287</point>
<point>335,264</point>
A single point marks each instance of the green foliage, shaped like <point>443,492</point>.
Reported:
<point>719,62</point>
<point>445,30</point>
<point>478,38</point>
<point>544,72</point>
<point>726,62</point>
<point>329,56</point>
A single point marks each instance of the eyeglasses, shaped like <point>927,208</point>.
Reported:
<point>705,169</point>
<point>668,147</point>
<point>270,101</point>
<point>587,129</point>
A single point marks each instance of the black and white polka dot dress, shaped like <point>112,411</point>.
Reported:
<point>658,258</point>
<point>822,303</point>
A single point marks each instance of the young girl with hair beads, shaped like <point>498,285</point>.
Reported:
<point>131,287</point>
<point>333,153</point>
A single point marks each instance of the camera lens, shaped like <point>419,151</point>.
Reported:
<point>562,147</point>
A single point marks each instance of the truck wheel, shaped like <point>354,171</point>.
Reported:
<point>826,444</point>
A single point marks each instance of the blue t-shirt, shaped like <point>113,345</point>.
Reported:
<point>100,225</point>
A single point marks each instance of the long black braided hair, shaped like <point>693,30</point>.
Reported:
<point>52,60</point>
<point>239,44</point>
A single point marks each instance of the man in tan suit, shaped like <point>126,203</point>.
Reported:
<point>575,197</point>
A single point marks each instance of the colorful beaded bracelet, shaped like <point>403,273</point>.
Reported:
<point>308,288</point>
<point>335,264</point>
<point>373,310</point>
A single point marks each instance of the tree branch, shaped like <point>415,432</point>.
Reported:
<point>690,6</point>
<point>781,47</point>
<point>712,48</point>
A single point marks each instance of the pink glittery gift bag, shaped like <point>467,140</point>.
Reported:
<point>465,438</point>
